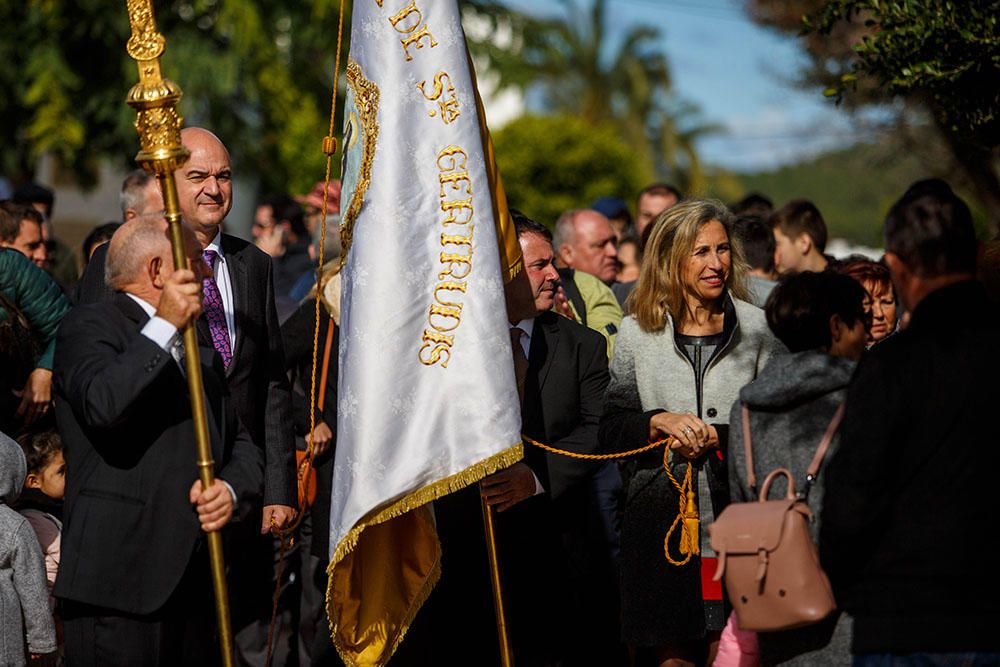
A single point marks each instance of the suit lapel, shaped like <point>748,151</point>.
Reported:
<point>544,343</point>
<point>130,308</point>
<point>240,281</point>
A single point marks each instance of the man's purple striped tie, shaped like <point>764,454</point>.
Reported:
<point>215,313</point>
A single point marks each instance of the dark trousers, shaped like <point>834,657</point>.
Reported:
<point>182,632</point>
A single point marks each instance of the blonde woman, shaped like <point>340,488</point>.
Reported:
<point>690,343</point>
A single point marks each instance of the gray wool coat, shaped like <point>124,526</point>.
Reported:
<point>791,404</point>
<point>24,595</point>
<point>662,603</point>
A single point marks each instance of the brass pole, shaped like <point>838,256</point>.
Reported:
<point>506,657</point>
<point>155,100</point>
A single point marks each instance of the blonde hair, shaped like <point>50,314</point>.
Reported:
<point>659,292</point>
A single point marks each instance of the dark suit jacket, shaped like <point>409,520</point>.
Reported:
<point>563,402</point>
<point>910,494</point>
<point>123,412</point>
<point>256,377</point>
<point>564,397</point>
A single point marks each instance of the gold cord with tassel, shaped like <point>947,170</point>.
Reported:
<point>687,516</point>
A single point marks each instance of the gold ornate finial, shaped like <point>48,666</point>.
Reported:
<point>145,43</point>
<point>154,98</point>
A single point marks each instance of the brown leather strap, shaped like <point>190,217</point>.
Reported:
<point>817,460</point>
<point>321,399</point>
<point>825,442</point>
<point>748,450</point>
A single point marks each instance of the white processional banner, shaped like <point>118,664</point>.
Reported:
<point>427,398</point>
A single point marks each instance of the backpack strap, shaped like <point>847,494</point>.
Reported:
<point>325,373</point>
<point>748,451</point>
<point>824,445</point>
<point>814,465</point>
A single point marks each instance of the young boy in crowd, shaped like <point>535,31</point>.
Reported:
<point>41,500</point>
<point>25,620</point>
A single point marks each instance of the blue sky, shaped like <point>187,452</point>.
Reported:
<point>739,74</point>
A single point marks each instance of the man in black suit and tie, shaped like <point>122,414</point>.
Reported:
<point>242,275</point>
<point>562,371</point>
<point>251,348</point>
<point>240,320</point>
<point>134,576</point>
<point>563,398</point>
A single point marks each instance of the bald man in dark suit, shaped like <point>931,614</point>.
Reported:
<point>241,322</point>
<point>134,578</point>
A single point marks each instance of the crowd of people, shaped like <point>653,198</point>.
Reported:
<point>693,324</point>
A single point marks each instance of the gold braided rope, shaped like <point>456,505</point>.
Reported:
<point>687,516</point>
<point>285,535</point>
<point>329,148</point>
<point>687,513</point>
<point>598,457</point>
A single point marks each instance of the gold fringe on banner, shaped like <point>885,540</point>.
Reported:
<point>407,522</point>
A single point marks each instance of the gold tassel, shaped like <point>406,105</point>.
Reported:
<point>687,517</point>
<point>689,538</point>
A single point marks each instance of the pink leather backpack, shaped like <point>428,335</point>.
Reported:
<point>766,554</point>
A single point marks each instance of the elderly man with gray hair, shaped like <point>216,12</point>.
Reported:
<point>134,578</point>
<point>140,195</point>
<point>587,256</point>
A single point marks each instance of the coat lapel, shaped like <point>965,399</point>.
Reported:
<point>544,343</point>
<point>130,308</point>
<point>239,279</point>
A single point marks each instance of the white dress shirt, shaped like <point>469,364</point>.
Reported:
<point>225,284</point>
<point>157,329</point>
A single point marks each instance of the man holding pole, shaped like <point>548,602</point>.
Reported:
<point>240,318</point>
<point>134,576</point>
<point>240,321</point>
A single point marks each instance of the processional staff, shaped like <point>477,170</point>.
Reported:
<point>155,100</point>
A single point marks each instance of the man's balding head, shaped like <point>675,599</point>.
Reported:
<point>204,183</point>
<point>585,241</point>
<point>140,256</point>
<point>132,247</point>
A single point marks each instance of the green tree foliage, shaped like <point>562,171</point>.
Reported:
<point>571,59</point>
<point>945,53</point>
<point>258,73</point>
<point>554,163</point>
<point>941,58</point>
